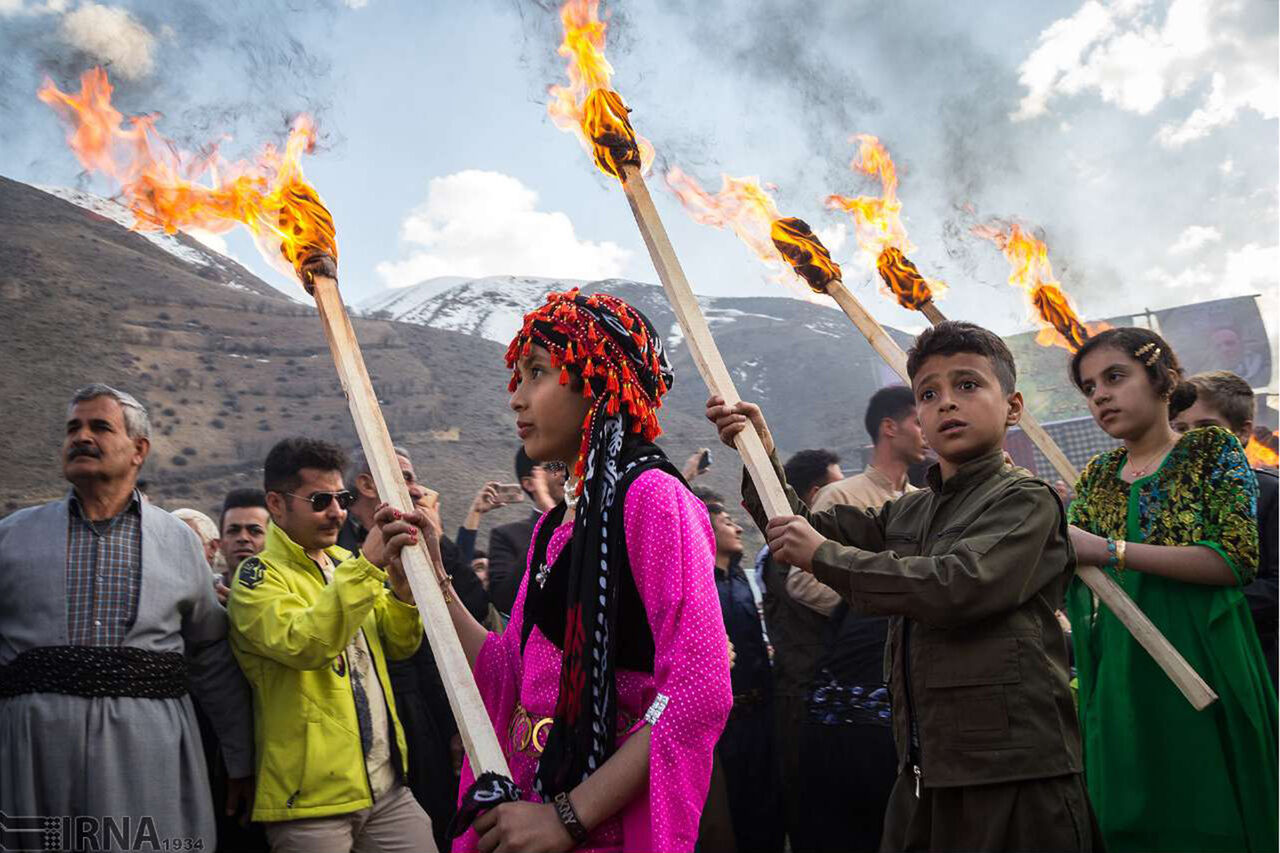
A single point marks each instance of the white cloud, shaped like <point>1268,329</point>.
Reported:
<point>217,242</point>
<point>1203,49</point>
<point>356,4</point>
<point>1192,278</point>
<point>477,223</point>
<point>9,8</point>
<point>1194,237</point>
<point>113,36</point>
<point>833,236</point>
<point>1253,267</point>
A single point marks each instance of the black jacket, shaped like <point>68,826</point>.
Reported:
<point>508,560</point>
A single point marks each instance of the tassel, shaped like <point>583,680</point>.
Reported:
<point>611,407</point>
<point>612,385</point>
<point>564,376</point>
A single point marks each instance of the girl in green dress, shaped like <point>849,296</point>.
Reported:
<point>1171,519</point>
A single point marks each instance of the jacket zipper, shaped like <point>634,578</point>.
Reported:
<point>914,754</point>
<point>364,764</point>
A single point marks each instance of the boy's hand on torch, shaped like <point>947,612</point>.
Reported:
<point>793,541</point>
<point>731,420</point>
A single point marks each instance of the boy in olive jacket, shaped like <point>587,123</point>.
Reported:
<point>971,569</point>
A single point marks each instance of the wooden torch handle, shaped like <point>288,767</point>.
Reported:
<point>697,336</point>
<point>1187,680</point>
<point>478,737</point>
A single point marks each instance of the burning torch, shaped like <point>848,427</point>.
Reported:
<point>745,206</point>
<point>296,233</point>
<point>598,116</point>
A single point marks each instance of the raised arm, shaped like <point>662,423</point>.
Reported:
<point>844,524</point>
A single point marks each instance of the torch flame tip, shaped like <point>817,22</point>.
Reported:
<point>162,184</point>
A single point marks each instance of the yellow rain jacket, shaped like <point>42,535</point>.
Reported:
<point>289,631</point>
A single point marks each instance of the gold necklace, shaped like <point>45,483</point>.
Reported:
<point>1141,472</point>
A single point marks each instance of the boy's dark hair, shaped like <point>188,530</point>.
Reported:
<point>291,455</point>
<point>1226,392</point>
<point>806,468</point>
<point>1149,350</point>
<point>479,554</point>
<point>894,402</point>
<point>239,499</point>
<point>954,337</point>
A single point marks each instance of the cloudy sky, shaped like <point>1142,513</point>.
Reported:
<point>1139,137</point>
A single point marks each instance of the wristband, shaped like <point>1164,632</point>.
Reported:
<point>569,817</point>
<point>1120,565</point>
<point>1111,550</point>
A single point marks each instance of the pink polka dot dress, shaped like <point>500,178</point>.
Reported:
<point>686,699</point>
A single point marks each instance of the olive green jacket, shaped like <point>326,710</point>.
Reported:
<point>971,570</point>
<point>289,631</point>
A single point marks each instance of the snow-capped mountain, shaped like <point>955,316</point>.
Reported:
<point>490,307</point>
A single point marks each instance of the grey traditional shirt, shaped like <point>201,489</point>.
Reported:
<point>118,757</point>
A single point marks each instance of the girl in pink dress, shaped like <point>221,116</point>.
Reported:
<point>610,685</point>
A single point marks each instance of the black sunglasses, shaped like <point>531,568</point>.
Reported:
<point>320,500</point>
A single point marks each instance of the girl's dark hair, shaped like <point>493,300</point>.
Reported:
<point>1149,350</point>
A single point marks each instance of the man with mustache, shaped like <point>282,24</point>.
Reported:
<point>313,627</point>
<point>107,617</point>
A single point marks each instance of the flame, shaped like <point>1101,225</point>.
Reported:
<point>1260,455</point>
<point>745,207</point>
<point>804,251</point>
<point>162,185</point>
<point>879,230</point>
<point>587,107</point>
<point>1030,270</point>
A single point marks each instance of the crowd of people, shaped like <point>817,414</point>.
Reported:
<point>908,664</point>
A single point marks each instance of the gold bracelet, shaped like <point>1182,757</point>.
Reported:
<point>446,588</point>
<point>1120,543</point>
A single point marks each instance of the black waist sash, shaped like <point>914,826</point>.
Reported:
<point>96,671</point>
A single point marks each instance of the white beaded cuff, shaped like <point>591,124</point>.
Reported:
<point>655,710</point>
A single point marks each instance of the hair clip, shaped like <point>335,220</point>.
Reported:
<point>1150,360</point>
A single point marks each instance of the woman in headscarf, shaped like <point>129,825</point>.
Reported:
<point>610,685</point>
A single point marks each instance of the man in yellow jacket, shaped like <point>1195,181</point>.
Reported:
<point>313,626</point>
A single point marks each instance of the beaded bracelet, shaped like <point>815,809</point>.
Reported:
<point>1115,547</point>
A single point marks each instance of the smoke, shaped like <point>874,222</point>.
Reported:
<point>215,70</point>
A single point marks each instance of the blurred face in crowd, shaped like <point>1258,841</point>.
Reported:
<point>311,529</point>
<point>549,415</point>
<point>728,535</point>
<point>1201,414</point>
<point>480,565</point>
<point>1120,394</point>
<point>962,407</point>
<point>97,447</point>
<point>906,438</point>
<point>833,474</point>
<point>244,532</point>
<point>210,545</point>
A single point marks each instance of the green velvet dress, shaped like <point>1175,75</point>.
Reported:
<point>1163,776</point>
